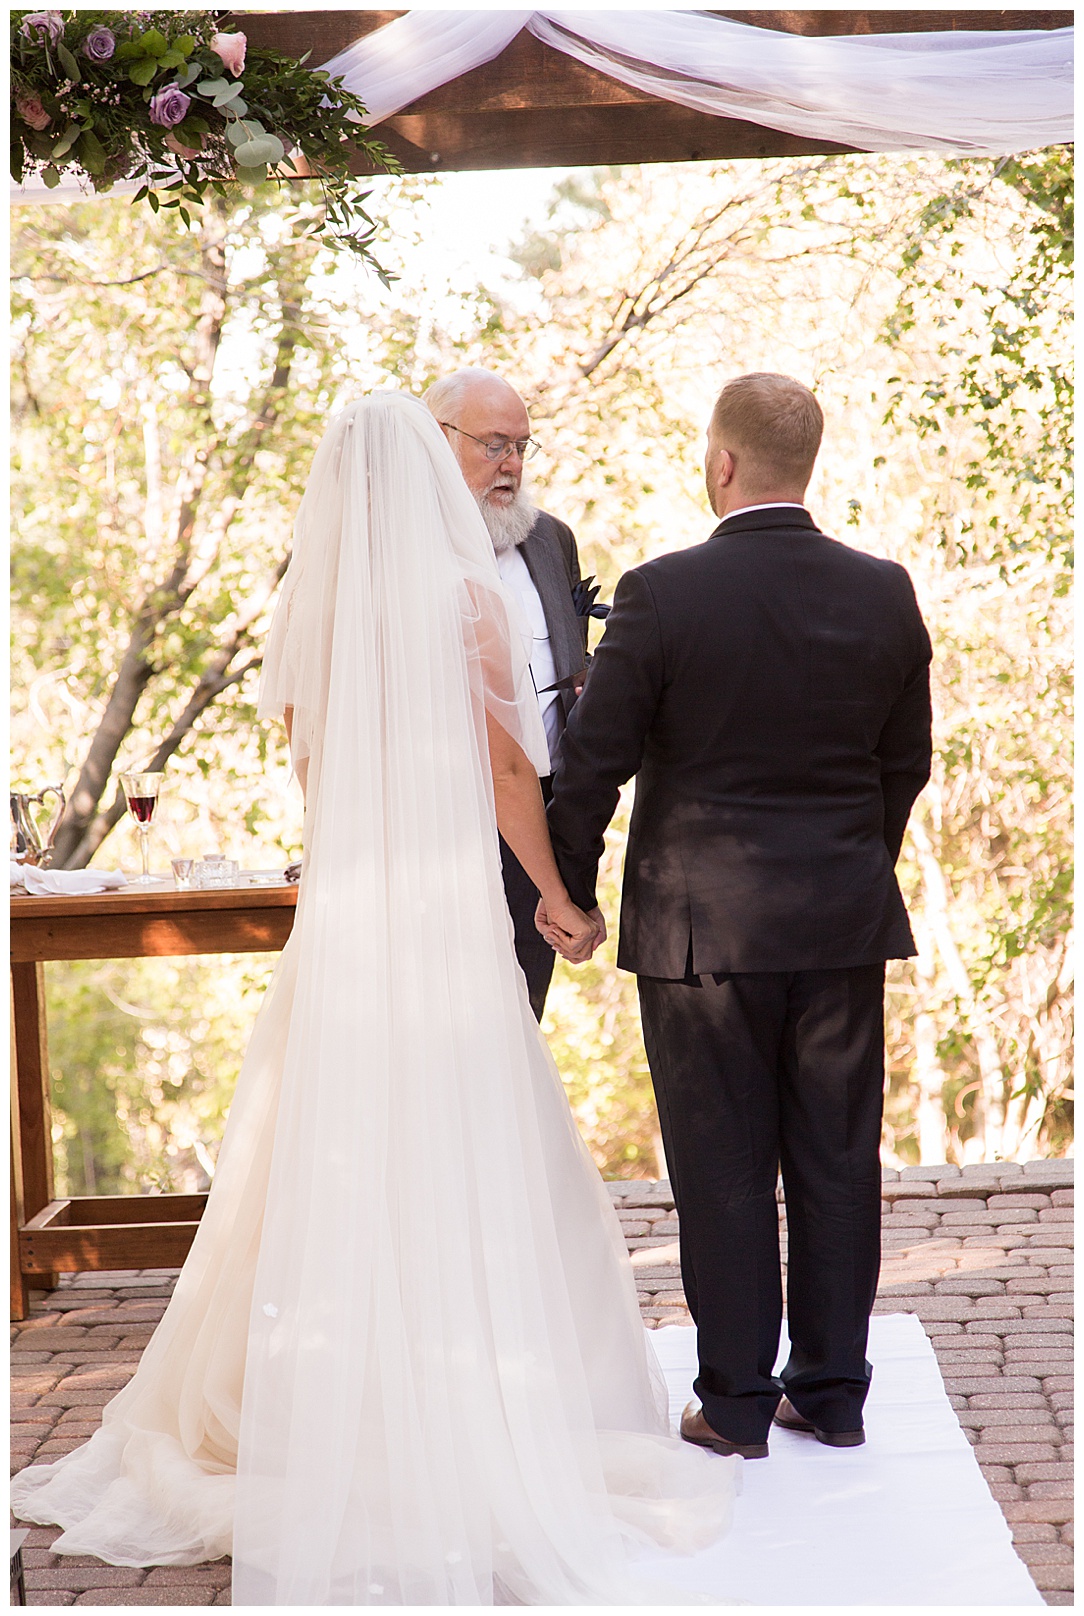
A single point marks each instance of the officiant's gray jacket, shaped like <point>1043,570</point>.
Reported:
<point>770,691</point>
<point>554,565</point>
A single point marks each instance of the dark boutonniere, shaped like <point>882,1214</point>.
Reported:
<point>585,599</point>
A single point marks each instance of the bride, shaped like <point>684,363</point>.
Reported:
<point>403,1364</point>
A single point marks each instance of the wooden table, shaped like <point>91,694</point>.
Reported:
<point>101,1232</point>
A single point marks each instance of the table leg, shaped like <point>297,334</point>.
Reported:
<point>33,1131</point>
<point>20,1291</point>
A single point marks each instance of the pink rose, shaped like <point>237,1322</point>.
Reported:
<point>230,50</point>
<point>169,106</point>
<point>31,111</point>
<point>182,151</point>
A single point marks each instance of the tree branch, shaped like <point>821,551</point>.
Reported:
<point>84,827</point>
<point>202,697</point>
<point>216,677</point>
<point>137,668</point>
<point>129,280</point>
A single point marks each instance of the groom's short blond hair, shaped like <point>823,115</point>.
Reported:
<point>775,420</point>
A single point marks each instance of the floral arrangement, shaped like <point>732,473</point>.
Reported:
<point>167,99</point>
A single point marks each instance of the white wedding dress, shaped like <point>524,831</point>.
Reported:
<point>403,1364</point>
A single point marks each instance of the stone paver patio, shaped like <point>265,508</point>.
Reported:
<point>983,1256</point>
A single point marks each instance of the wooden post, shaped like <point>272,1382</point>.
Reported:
<point>33,1136</point>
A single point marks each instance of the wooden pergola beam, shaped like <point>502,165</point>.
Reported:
<point>533,107</point>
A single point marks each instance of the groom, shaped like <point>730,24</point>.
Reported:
<point>486,423</point>
<point>770,691</point>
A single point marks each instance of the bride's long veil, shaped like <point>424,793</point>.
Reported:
<point>418,1425</point>
<point>403,1364</point>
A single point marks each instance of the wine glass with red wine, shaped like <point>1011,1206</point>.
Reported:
<point>141,791</point>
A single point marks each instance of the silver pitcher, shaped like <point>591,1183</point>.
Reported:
<point>27,846</point>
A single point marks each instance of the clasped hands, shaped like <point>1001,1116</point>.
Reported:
<point>573,934</point>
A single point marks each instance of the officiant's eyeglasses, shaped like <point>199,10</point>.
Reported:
<point>499,448</point>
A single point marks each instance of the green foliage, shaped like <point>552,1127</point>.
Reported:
<point>592,1025</point>
<point>104,97</point>
<point>946,449</point>
<point>999,357</point>
<point>899,287</point>
<point>980,335</point>
<point>143,1056</point>
<point>169,388</point>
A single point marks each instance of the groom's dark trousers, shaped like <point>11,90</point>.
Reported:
<point>770,691</point>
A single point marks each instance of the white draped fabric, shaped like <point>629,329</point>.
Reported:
<point>964,93</point>
<point>404,1363</point>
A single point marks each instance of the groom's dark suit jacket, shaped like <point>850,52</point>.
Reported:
<point>770,691</point>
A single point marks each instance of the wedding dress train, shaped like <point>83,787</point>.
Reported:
<point>404,1362</point>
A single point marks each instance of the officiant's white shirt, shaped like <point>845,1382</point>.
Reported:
<point>514,571</point>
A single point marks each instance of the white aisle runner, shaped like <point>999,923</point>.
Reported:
<point>905,1520</point>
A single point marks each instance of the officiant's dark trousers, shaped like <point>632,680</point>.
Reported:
<point>535,955</point>
<point>753,1072</point>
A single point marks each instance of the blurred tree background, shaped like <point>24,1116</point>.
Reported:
<point>170,386</point>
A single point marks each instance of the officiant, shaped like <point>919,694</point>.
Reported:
<point>487,425</point>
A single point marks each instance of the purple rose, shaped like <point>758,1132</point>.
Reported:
<point>38,24</point>
<point>99,45</point>
<point>169,106</point>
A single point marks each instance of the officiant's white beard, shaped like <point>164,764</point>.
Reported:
<point>510,522</point>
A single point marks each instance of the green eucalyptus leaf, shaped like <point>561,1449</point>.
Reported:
<point>67,140</point>
<point>212,86</point>
<point>68,63</point>
<point>238,107</point>
<point>223,97</point>
<point>90,152</point>
<point>263,149</point>
<point>191,71</point>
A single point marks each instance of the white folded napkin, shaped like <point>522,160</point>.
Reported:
<point>63,883</point>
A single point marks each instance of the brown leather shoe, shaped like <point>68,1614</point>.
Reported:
<point>787,1416</point>
<point>695,1429</point>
